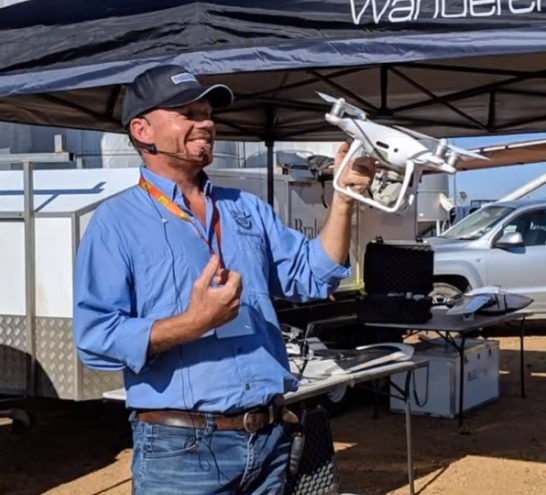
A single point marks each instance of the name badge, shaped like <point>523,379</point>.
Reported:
<point>238,327</point>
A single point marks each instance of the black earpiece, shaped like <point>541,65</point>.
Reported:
<point>152,150</point>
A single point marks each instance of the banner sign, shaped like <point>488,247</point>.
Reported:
<point>415,10</point>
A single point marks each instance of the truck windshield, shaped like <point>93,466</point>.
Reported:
<point>478,223</point>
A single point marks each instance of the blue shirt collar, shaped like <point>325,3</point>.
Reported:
<point>168,187</point>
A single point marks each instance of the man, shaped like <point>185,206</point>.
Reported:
<point>173,285</point>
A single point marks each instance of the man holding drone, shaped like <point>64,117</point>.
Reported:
<point>173,285</point>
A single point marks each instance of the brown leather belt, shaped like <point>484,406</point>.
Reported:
<point>250,421</point>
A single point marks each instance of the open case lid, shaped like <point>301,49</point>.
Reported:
<point>399,267</point>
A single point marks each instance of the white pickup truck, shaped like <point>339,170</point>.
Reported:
<point>503,243</point>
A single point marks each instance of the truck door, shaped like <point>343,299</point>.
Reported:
<point>522,269</point>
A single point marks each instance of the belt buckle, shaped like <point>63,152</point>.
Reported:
<point>247,424</point>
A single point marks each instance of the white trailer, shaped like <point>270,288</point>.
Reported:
<point>37,355</point>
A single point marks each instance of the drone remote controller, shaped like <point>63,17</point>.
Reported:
<point>406,154</point>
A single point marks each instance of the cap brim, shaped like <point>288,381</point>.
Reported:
<point>218,95</point>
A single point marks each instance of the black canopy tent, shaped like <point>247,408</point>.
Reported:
<point>449,68</point>
<point>446,68</point>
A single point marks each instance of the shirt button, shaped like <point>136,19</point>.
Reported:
<point>248,386</point>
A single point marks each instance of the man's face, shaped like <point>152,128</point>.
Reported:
<point>186,131</point>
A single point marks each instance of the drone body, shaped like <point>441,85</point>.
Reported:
<point>399,150</point>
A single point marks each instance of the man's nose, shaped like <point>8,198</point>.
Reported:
<point>205,123</point>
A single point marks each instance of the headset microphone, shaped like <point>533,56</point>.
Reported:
<point>152,149</point>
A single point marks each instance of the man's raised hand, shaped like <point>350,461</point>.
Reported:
<point>214,306</point>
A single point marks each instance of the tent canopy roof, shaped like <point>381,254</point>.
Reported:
<point>458,68</point>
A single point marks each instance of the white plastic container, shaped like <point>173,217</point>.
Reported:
<point>434,391</point>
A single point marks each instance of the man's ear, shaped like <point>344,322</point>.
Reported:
<point>141,130</point>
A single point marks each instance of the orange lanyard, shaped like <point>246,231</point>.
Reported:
<point>177,212</point>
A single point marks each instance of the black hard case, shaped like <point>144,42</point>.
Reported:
<point>393,269</point>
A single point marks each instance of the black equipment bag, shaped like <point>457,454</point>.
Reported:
<point>317,472</point>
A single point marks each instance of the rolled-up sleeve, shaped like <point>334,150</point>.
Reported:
<point>106,336</point>
<point>301,270</point>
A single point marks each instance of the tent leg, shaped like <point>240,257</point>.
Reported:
<point>270,172</point>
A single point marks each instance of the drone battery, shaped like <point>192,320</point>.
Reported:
<point>398,278</point>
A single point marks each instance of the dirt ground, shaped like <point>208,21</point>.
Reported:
<point>501,450</point>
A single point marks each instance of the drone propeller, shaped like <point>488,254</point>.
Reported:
<point>455,149</point>
<point>345,107</point>
<point>464,153</point>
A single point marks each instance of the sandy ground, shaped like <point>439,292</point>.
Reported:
<point>502,449</point>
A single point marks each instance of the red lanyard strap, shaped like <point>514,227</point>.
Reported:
<point>177,212</point>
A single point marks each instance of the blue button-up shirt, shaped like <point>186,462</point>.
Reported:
<point>137,263</point>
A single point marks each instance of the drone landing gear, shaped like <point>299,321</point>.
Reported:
<point>406,195</point>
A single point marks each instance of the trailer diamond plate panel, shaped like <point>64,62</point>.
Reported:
<point>63,374</point>
<point>60,373</point>
<point>96,383</point>
<point>55,355</point>
<point>12,354</point>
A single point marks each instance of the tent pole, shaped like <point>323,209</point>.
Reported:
<point>270,172</point>
<point>269,144</point>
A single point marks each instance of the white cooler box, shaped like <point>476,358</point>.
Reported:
<point>434,390</point>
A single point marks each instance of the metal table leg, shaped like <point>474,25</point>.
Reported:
<point>409,446</point>
<point>375,399</point>
<point>405,395</point>
<point>461,350</point>
<point>522,357</point>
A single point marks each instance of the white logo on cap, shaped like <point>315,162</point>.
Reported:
<point>182,78</point>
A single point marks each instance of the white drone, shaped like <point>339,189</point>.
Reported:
<point>489,300</point>
<point>403,153</point>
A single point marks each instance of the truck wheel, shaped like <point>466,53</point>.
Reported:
<point>442,292</point>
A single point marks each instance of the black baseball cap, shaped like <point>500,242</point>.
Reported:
<point>169,86</point>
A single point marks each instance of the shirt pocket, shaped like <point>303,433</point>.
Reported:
<point>253,262</point>
<point>161,281</point>
<point>252,245</point>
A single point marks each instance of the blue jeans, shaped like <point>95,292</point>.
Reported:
<point>169,460</point>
